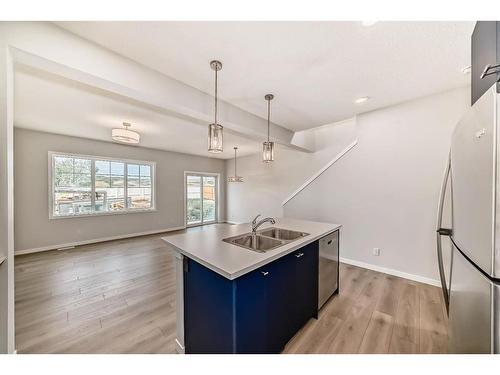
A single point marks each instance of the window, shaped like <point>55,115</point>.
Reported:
<point>109,184</point>
<point>88,185</point>
<point>201,198</point>
<point>139,185</point>
<point>72,186</point>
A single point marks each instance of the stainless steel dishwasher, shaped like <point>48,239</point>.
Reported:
<point>328,267</point>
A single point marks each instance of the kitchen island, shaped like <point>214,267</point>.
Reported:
<point>231,299</point>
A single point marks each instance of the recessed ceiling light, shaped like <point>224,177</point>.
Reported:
<point>466,70</point>
<point>368,23</point>
<point>361,99</point>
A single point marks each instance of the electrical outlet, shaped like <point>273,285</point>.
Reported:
<point>376,251</point>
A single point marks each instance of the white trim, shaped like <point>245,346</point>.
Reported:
<point>320,172</point>
<point>217,194</point>
<point>8,154</point>
<point>390,271</point>
<point>96,240</point>
<point>94,158</point>
<point>107,213</point>
<point>105,158</point>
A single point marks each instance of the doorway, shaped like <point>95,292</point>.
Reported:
<point>201,198</point>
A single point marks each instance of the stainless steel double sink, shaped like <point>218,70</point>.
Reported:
<point>265,239</point>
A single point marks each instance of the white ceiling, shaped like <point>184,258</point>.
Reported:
<point>48,103</point>
<point>315,69</point>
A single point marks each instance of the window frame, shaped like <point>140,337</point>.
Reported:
<point>93,158</point>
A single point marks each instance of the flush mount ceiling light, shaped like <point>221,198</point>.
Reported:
<point>215,136</point>
<point>268,147</point>
<point>361,99</point>
<point>124,135</point>
<point>466,70</point>
<point>235,178</point>
<point>368,23</point>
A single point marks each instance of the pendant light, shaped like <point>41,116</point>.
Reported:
<point>268,147</point>
<point>124,135</point>
<point>215,139</point>
<point>235,178</point>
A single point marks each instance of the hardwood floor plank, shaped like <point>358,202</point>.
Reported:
<point>352,331</point>
<point>354,327</point>
<point>389,297</point>
<point>354,280</point>
<point>433,331</point>
<point>402,346</point>
<point>377,337</point>
<point>407,315</point>
<point>317,335</point>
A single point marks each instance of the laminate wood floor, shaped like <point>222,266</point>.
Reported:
<point>119,297</point>
<point>376,313</point>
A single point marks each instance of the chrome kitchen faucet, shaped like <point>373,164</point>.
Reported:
<point>256,224</point>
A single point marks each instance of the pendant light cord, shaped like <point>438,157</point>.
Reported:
<point>235,161</point>
<point>268,117</point>
<point>216,96</point>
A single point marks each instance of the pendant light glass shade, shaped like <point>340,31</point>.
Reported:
<point>215,130</point>
<point>215,138</point>
<point>267,152</point>
<point>235,178</point>
<point>124,135</point>
<point>268,147</point>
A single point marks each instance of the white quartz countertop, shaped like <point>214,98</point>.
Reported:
<point>206,247</point>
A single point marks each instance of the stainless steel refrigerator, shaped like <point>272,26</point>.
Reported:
<point>469,245</point>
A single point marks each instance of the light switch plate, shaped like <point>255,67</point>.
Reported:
<point>376,251</point>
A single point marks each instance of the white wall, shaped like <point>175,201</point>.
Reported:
<point>267,185</point>
<point>384,191</point>
<point>34,229</point>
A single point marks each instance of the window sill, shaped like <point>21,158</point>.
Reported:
<point>108,213</point>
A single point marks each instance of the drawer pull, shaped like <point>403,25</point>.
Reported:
<point>264,273</point>
<point>299,255</point>
<point>330,242</point>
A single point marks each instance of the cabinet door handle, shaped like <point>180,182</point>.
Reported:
<point>486,72</point>
<point>264,273</point>
<point>299,255</point>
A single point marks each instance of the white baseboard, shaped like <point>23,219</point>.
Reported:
<point>96,240</point>
<point>392,272</point>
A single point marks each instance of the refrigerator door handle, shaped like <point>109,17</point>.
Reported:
<point>443,232</point>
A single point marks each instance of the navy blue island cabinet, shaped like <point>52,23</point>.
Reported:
<point>258,312</point>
